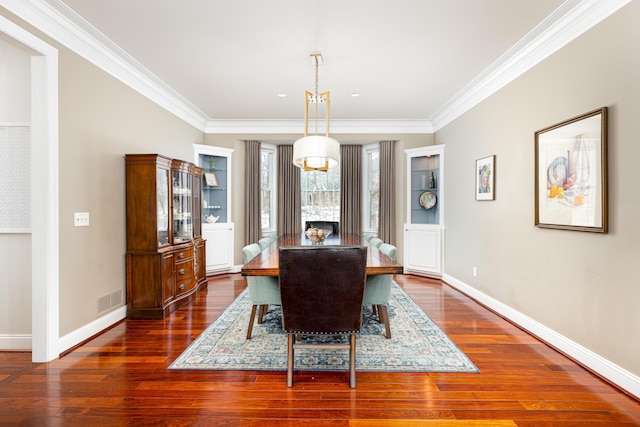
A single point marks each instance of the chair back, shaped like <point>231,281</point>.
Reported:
<point>322,288</point>
<point>264,242</point>
<point>376,241</point>
<point>250,251</point>
<point>262,289</point>
<point>378,289</point>
<point>388,250</point>
<point>334,226</point>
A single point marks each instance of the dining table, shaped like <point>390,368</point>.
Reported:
<point>266,263</point>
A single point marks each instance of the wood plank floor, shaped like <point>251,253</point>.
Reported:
<point>120,378</point>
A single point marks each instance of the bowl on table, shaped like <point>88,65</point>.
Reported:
<point>317,235</point>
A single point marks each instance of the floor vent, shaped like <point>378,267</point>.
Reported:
<point>109,301</point>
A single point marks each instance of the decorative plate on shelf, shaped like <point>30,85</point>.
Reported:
<point>428,199</point>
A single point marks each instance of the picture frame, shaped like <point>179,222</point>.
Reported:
<point>571,174</point>
<point>485,178</point>
<point>211,179</point>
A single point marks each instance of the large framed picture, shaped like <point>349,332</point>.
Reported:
<point>485,178</point>
<point>571,174</point>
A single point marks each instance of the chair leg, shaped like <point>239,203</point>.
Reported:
<point>384,317</point>
<point>352,360</point>
<point>253,315</point>
<point>263,310</point>
<point>374,309</point>
<point>290,339</point>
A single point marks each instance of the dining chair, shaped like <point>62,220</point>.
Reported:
<point>376,241</point>
<point>326,276</point>
<point>264,242</point>
<point>368,236</point>
<point>377,291</point>
<point>263,290</point>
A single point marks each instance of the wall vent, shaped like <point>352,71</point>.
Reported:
<point>109,301</point>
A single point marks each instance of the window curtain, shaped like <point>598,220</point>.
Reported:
<point>351,189</point>
<point>253,226</point>
<point>387,214</point>
<point>289,218</point>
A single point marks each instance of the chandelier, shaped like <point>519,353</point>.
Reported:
<point>316,152</point>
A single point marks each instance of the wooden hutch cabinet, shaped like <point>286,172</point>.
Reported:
<point>165,249</point>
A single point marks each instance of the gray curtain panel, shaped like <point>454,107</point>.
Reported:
<point>351,189</point>
<point>289,218</point>
<point>253,226</point>
<point>387,214</point>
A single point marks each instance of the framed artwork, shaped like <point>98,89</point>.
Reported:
<point>571,174</point>
<point>486,178</point>
<point>211,179</point>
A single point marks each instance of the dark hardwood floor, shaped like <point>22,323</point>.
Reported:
<point>120,378</point>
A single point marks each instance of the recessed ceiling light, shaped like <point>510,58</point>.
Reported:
<point>355,95</point>
<point>282,95</point>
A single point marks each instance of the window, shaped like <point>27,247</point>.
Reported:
<point>371,188</point>
<point>320,195</point>
<point>267,188</point>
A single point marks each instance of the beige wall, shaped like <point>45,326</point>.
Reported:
<point>15,81</point>
<point>15,249</point>
<point>581,285</point>
<point>101,120</point>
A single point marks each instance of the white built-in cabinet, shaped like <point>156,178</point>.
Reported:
<point>424,229</point>
<point>217,227</point>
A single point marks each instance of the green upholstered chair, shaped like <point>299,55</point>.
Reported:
<point>376,241</point>
<point>368,236</point>
<point>264,242</point>
<point>263,290</point>
<point>378,290</point>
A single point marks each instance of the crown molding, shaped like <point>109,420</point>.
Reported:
<point>296,127</point>
<point>59,22</point>
<point>565,24</point>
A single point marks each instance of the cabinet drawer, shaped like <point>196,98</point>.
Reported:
<point>184,284</point>
<point>184,269</point>
<point>184,254</point>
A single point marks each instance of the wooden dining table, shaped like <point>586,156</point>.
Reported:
<point>267,263</point>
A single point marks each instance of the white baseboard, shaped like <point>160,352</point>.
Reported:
<point>603,367</point>
<point>12,342</point>
<point>84,333</point>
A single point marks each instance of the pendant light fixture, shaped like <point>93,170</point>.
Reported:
<point>316,152</point>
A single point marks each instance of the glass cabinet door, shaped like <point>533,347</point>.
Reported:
<point>424,193</point>
<point>182,207</point>
<point>162,182</point>
<point>197,192</point>
<point>214,188</point>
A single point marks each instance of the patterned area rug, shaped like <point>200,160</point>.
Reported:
<point>417,344</point>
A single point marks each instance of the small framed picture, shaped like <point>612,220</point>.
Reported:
<point>486,178</point>
<point>211,179</point>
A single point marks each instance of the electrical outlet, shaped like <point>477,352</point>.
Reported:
<point>81,219</point>
<point>475,272</point>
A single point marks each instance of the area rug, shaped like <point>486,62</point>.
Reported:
<point>417,343</point>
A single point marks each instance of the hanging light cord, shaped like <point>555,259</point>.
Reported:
<point>317,99</point>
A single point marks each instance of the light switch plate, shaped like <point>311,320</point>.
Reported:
<point>81,219</point>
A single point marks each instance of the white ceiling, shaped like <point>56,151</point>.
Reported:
<point>410,60</point>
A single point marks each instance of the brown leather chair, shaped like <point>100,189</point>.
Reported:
<point>322,276</point>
